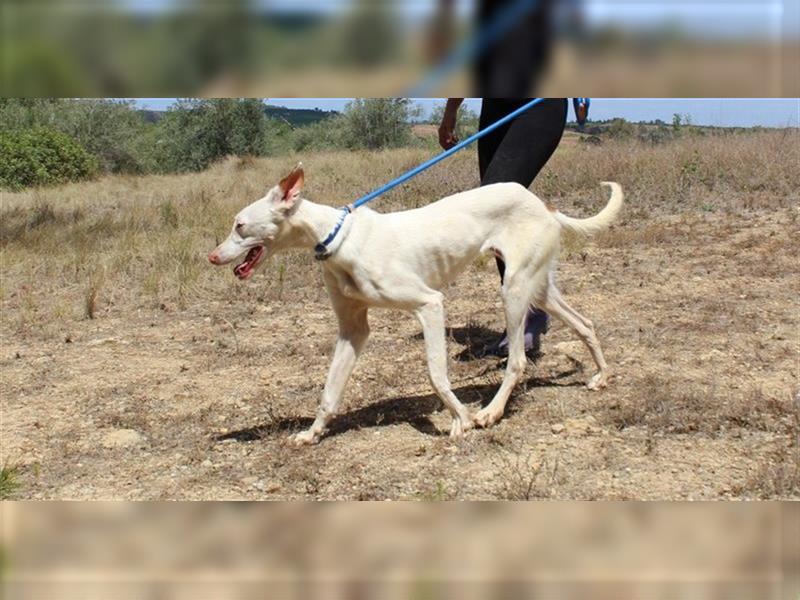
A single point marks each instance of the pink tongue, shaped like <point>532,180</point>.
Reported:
<point>244,267</point>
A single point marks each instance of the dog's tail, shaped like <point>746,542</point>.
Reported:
<point>601,220</point>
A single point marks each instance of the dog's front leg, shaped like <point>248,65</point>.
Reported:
<point>353,334</point>
<point>431,317</point>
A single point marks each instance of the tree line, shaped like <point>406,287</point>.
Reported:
<point>53,141</point>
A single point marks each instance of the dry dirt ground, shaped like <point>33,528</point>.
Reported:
<point>697,310</point>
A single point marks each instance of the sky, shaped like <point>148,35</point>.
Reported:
<point>723,112</point>
<point>739,18</point>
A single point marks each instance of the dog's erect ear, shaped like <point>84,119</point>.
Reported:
<point>291,185</point>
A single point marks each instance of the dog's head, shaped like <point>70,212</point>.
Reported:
<point>258,228</point>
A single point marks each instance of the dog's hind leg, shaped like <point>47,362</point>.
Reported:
<point>557,307</point>
<point>518,288</point>
<point>431,317</point>
<point>353,334</point>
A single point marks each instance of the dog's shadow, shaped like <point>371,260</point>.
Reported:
<point>414,410</point>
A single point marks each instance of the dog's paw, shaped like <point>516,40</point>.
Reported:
<point>460,426</point>
<point>486,417</point>
<point>598,382</point>
<point>304,438</point>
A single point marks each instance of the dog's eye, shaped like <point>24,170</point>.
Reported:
<point>239,227</point>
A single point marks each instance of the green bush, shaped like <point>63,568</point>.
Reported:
<point>41,156</point>
<point>111,130</point>
<point>195,133</point>
<point>375,123</point>
<point>467,121</point>
<point>330,134</point>
<point>277,137</point>
<point>621,128</point>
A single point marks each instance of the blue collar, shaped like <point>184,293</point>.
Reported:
<point>321,251</point>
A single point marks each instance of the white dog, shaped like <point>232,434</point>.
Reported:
<point>401,260</point>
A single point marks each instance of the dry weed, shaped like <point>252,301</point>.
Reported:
<point>669,406</point>
<point>523,477</point>
<point>778,473</point>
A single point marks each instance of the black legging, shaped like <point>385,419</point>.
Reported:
<point>512,66</point>
<point>518,150</point>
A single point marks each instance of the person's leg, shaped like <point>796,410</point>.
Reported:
<point>513,66</point>
<point>527,144</point>
<point>517,153</point>
<point>493,109</point>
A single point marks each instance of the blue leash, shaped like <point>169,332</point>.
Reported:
<point>321,250</point>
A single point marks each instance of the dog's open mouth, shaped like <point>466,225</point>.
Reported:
<point>245,269</point>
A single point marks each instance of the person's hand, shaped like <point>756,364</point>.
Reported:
<point>447,131</point>
<point>581,106</point>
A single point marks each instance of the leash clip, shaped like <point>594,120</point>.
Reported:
<point>321,252</point>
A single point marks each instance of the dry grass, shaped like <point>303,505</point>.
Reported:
<point>671,406</point>
<point>778,473</point>
<point>113,320</point>
<point>144,236</point>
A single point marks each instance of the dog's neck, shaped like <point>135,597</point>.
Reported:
<point>312,222</point>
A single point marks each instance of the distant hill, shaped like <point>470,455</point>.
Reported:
<point>296,117</point>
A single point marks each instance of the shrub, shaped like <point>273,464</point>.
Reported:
<point>111,130</point>
<point>621,128</point>
<point>277,136</point>
<point>331,134</point>
<point>41,156</point>
<point>466,121</point>
<point>374,123</point>
<point>194,133</point>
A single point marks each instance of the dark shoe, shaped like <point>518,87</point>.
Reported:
<point>536,325</point>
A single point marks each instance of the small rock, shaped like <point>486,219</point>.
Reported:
<point>584,426</point>
<point>272,486</point>
<point>572,350</point>
<point>557,428</point>
<point>206,463</point>
<point>101,341</point>
<point>713,354</point>
<point>248,481</point>
<point>122,438</point>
